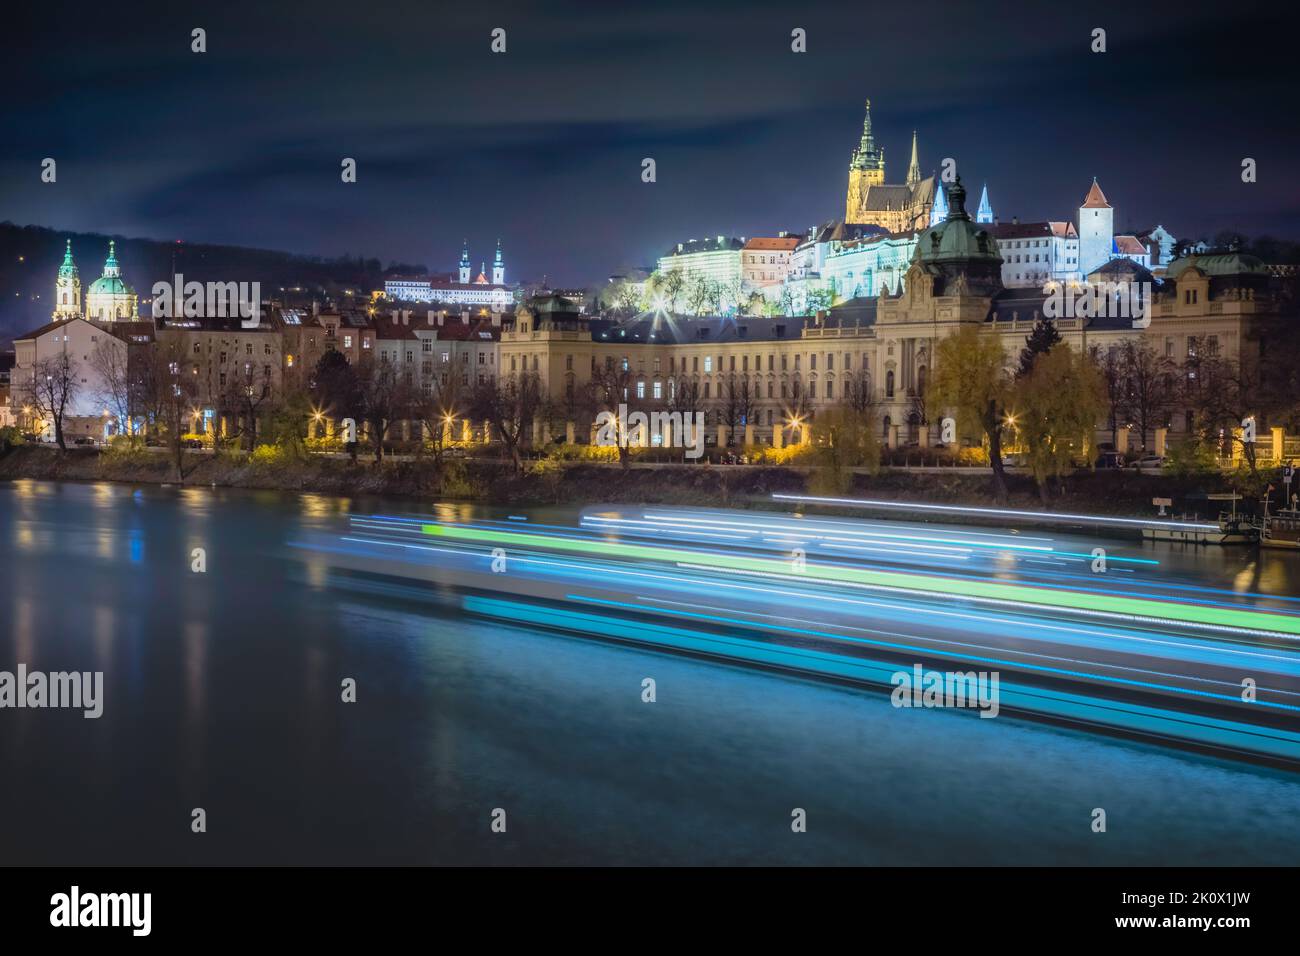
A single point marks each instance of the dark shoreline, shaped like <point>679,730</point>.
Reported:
<point>1109,493</point>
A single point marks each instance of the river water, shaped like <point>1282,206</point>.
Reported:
<point>222,692</point>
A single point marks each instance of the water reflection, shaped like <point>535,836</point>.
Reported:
<point>223,689</point>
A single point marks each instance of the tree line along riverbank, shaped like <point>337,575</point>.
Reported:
<point>551,482</point>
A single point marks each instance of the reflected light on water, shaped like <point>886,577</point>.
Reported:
<point>24,623</point>
<point>105,628</point>
<point>323,506</point>
<point>196,502</point>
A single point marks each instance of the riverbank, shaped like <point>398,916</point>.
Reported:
<point>549,482</point>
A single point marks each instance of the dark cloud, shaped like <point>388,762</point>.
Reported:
<point>542,146</point>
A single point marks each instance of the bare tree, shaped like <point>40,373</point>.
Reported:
<point>110,360</point>
<point>1221,393</point>
<point>247,392</point>
<point>437,409</point>
<point>684,396</point>
<point>166,395</point>
<point>738,404</point>
<point>509,404</point>
<point>386,397</point>
<point>1147,380</point>
<point>855,392</point>
<point>611,387</point>
<point>672,286</point>
<point>1110,364</point>
<point>52,388</point>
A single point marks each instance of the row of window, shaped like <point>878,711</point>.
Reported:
<point>794,389</point>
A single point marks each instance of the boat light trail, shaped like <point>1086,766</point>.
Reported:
<point>1039,595</point>
<point>1003,512</point>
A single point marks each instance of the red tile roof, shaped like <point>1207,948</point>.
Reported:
<point>775,243</point>
<point>1095,199</point>
<point>1129,246</point>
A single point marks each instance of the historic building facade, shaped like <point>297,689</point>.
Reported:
<point>756,377</point>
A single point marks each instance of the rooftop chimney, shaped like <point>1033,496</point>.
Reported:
<point>429,317</point>
<point>464,318</point>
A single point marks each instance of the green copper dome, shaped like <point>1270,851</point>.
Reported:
<point>110,283</point>
<point>957,238</point>
<point>1229,264</point>
<point>961,255</point>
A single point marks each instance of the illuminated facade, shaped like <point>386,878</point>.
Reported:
<point>461,290</point>
<point>785,368</point>
<point>872,201</point>
<point>711,265</point>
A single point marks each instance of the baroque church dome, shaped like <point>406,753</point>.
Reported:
<point>111,283</point>
<point>109,298</point>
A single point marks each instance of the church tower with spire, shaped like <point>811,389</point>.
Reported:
<point>985,212</point>
<point>464,264</point>
<point>498,267</point>
<point>866,169</point>
<point>896,207</point>
<point>914,168</point>
<point>67,289</point>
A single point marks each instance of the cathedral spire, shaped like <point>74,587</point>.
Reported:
<point>867,156</point>
<point>985,213</point>
<point>939,211</point>
<point>914,169</point>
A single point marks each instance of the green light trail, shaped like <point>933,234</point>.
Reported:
<point>999,591</point>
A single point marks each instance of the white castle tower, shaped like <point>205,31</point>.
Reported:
<point>1096,230</point>
<point>498,268</point>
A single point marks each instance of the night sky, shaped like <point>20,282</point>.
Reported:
<point>542,145</point>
